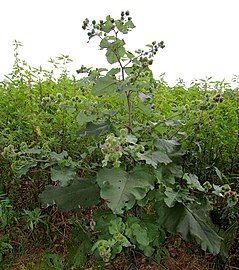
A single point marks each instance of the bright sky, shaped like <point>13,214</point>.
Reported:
<point>201,36</point>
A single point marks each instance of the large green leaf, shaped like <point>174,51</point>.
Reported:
<point>105,85</point>
<point>107,25</point>
<point>121,26</point>
<point>144,233</point>
<point>189,223</point>
<point>115,50</point>
<point>121,189</point>
<point>140,234</point>
<point>124,27</point>
<point>104,43</point>
<point>102,218</point>
<point>229,236</point>
<point>78,257</point>
<point>192,180</point>
<point>63,174</point>
<point>174,196</point>
<point>167,145</point>
<point>155,158</point>
<point>81,193</point>
<point>79,247</point>
<point>82,118</point>
<point>111,56</point>
<point>94,130</point>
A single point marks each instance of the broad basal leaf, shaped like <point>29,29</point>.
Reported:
<point>121,189</point>
<point>229,236</point>
<point>102,219</point>
<point>79,248</point>
<point>81,193</point>
<point>139,233</point>
<point>95,129</point>
<point>187,222</point>
<point>63,175</point>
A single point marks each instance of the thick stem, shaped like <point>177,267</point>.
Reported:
<point>128,97</point>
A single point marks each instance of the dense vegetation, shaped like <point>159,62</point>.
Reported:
<point>111,163</point>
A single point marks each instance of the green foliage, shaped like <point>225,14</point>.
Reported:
<point>64,175</point>
<point>186,221</point>
<point>7,214</point>
<point>51,261</point>
<point>112,141</point>
<point>33,218</point>
<point>122,189</point>
<point>94,130</point>
<point>109,248</point>
<point>105,85</point>
<point>5,246</point>
<point>79,247</point>
<point>81,193</point>
<point>146,234</point>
